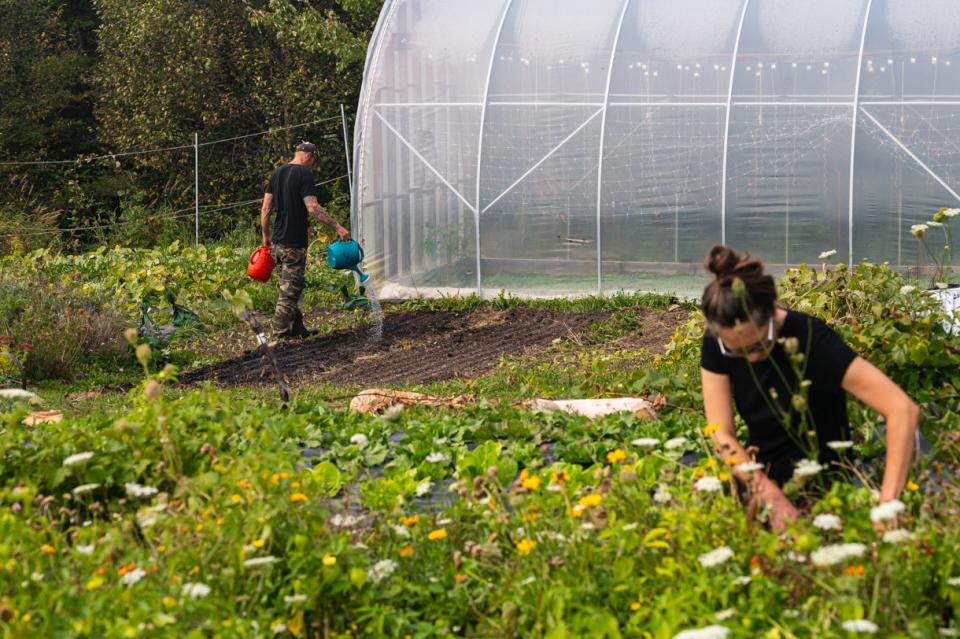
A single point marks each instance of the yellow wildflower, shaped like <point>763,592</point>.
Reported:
<point>436,535</point>
<point>406,551</point>
<point>616,456</point>
<point>295,497</point>
<point>531,483</point>
<point>724,476</point>
<point>559,476</point>
<point>590,501</point>
<point>526,546</point>
<point>710,429</point>
<point>635,606</point>
<point>576,512</point>
<point>329,560</point>
<point>169,602</point>
<point>258,543</point>
<point>47,549</point>
<point>295,484</point>
<point>411,521</point>
<point>94,583</point>
<point>912,486</point>
<point>235,498</point>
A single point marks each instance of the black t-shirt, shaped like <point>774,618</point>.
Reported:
<point>289,184</point>
<point>826,359</point>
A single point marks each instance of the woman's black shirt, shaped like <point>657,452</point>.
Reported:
<point>826,359</point>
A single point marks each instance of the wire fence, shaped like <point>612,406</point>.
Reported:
<point>197,209</point>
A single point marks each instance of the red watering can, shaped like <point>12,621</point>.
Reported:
<point>261,264</point>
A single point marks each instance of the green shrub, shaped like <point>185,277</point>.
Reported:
<point>60,331</point>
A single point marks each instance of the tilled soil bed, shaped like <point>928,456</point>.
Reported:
<point>417,347</point>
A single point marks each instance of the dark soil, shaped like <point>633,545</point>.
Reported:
<point>417,347</point>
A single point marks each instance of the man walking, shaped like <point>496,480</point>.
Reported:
<point>293,193</point>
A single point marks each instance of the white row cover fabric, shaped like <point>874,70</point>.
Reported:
<point>562,145</point>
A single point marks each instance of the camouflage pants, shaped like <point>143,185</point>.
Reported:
<point>291,268</point>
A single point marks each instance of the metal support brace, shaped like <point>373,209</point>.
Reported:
<point>726,127</point>
<point>853,133</point>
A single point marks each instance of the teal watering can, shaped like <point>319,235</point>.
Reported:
<point>346,256</point>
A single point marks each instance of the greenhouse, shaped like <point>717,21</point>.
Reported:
<point>565,146</point>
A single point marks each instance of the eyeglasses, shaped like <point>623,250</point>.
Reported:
<point>763,346</point>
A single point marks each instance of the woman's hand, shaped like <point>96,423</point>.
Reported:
<point>782,511</point>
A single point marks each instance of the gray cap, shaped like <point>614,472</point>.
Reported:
<point>309,147</point>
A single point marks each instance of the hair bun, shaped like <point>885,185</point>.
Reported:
<point>722,261</point>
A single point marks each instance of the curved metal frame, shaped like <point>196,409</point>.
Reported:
<point>483,119</point>
<point>853,133</point>
<point>603,130</point>
<point>726,126</point>
<point>362,123</point>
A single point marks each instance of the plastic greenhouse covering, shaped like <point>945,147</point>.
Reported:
<point>566,146</point>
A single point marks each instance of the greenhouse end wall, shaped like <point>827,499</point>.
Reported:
<point>563,146</point>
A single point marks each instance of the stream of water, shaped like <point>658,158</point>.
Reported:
<point>376,312</point>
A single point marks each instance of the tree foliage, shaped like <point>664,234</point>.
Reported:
<point>161,71</point>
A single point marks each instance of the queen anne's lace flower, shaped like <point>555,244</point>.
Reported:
<point>78,458</point>
<point>196,590</point>
<point>887,510</point>
<point>897,536</point>
<point>710,632</point>
<point>381,570</point>
<point>836,554</point>
<point>840,445</point>
<point>715,557</point>
<point>708,484</point>
<point>825,521</point>
<point>676,442</point>
<point>136,490</point>
<point>645,442</point>
<point>806,468</point>
<point>861,626</point>
<point>259,561</point>
<point>132,577</point>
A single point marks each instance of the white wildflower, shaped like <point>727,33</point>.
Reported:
<point>826,521</point>
<point>259,561</point>
<point>935,225</point>
<point>423,488</point>
<point>402,531</point>
<point>715,557</point>
<point>344,521</point>
<point>919,230</point>
<point>742,580</point>
<point>196,590</point>
<point>828,254</point>
<point>662,496</point>
<point>587,525</point>
<point>136,490</point>
<point>904,290</point>
<point>85,550</point>
<point>749,467</point>
<point>645,442</point>
<point>897,536</point>
<point>676,442</point>
<point>953,581</point>
<point>554,488</point>
<point>947,632</point>
<point>806,468</point>
<point>708,484</point>
<point>78,458</point>
<point>526,582</point>
<point>278,627</point>
<point>887,510</point>
<point>861,626</point>
<point>446,521</point>
<point>628,527</point>
<point>438,458</point>
<point>951,212</point>
<point>723,615</point>
<point>836,554</point>
<point>359,439</point>
<point>840,444</point>
<point>294,599</point>
<point>16,393</point>
<point>796,557</point>
<point>710,632</point>
<point>133,576</point>
<point>381,570</point>
<point>85,488</point>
